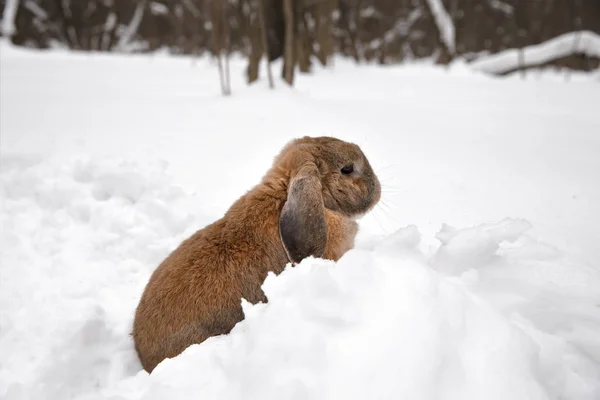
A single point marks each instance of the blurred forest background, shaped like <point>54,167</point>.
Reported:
<point>302,32</point>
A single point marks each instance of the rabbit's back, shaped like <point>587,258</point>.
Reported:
<point>196,292</point>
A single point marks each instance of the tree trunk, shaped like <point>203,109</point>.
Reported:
<point>304,48</point>
<point>445,25</point>
<point>265,41</point>
<point>289,59</point>
<point>8,18</point>
<point>345,22</point>
<point>221,74</point>
<point>218,41</point>
<point>109,28</point>
<point>244,24</point>
<point>65,26</point>
<point>225,45</point>
<point>256,50</point>
<point>324,25</point>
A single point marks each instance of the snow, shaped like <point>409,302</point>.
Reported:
<point>582,42</point>
<point>444,22</point>
<point>384,324</point>
<point>476,277</point>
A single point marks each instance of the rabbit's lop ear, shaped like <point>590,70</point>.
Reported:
<point>302,221</point>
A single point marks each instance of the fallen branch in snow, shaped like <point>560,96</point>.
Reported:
<point>580,42</point>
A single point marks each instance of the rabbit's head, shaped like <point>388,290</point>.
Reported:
<point>324,173</point>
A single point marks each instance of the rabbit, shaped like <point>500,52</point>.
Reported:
<point>305,205</point>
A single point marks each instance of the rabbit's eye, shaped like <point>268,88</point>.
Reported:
<point>347,170</point>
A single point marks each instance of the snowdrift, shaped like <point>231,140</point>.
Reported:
<point>584,42</point>
<point>487,320</point>
<point>488,313</point>
<point>484,311</point>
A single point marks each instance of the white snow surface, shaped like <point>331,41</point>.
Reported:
<point>477,276</point>
<point>580,42</point>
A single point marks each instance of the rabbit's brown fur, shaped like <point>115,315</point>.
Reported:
<point>303,206</point>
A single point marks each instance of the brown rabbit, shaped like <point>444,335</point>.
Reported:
<point>305,205</point>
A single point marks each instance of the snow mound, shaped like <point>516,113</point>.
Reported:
<point>585,42</point>
<point>488,313</point>
<point>79,239</point>
<point>517,321</point>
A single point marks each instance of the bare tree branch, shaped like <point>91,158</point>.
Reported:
<point>8,18</point>
<point>133,26</point>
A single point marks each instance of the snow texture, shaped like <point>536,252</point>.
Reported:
<point>476,278</point>
<point>383,323</point>
<point>581,42</point>
<point>444,22</point>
